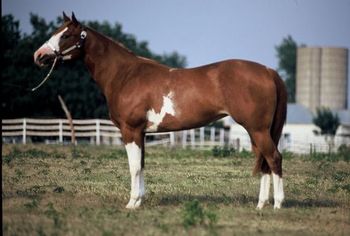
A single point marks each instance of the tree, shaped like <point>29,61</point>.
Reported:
<point>286,54</point>
<point>71,80</point>
<point>328,124</point>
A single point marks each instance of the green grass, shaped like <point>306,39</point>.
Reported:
<point>58,190</point>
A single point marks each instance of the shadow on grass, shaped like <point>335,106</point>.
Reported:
<point>241,200</point>
<point>224,199</point>
<point>308,203</point>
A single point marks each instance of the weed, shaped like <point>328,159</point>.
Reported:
<point>224,151</point>
<point>32,205</point>
<point>52,213</point>
<point>78,152</point>
<point>58,189</point>
<point>31,192</point>
<point>344,152</point>
<point>7,159</point>
<point>113,154</point>
<point>245,154</point>
<point>194,214</point>
<point>340,176</point>
<point>87,171</point>
<point>287,155</point>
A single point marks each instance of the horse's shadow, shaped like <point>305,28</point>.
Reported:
<point>243,200</point>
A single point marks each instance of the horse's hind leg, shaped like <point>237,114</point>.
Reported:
<point>266,147</point>
<point>262,166</point>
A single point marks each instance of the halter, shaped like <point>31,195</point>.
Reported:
<point>62,55</point>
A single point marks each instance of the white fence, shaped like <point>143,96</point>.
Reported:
<point>99,131</point>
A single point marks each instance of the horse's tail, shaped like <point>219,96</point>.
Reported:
<point>278,119</point>
<point>281,108</point>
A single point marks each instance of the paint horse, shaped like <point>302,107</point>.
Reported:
<point>144,96</point>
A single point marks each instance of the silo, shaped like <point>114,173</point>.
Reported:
<point>334,73</point>
<point>321,78</point>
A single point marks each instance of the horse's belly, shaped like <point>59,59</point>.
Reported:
<point>184,120</point>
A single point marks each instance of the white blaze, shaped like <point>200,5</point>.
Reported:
<point>157,118</point>
<point>53,43</point>
<point>55,39</point>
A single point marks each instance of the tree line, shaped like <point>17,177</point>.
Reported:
<point>71,81</point>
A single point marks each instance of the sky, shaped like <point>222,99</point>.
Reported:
<point>207,31</point>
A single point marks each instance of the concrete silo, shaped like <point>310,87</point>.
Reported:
<point>321,79</point>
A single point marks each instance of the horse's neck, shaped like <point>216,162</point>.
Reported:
<point>103,55</point>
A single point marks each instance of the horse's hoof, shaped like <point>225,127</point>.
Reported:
<point>277,205</point>
<point>134,203</point>
<point>261,204</point>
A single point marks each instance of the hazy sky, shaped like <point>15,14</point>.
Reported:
<point>207,31</point>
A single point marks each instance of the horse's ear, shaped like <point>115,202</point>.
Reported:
<point>65,17</point>
<point>74,20</point>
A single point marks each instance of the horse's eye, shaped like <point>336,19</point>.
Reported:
<point>65,36</point>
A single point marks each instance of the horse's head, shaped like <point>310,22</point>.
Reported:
<point>65,43</point>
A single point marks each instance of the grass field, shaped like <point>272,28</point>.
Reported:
<point>58,190</point>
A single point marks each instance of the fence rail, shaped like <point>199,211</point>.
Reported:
<point>100,131</point>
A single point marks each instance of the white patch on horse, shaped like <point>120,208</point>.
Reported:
<point>137,179</point>
<point>55,40</point>
<point>157,118</point>
<point>278,193</point>
<point>264,190</point>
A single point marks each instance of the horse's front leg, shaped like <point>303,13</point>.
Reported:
<point>134,145</point>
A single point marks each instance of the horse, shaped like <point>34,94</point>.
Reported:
<point>145,96</point>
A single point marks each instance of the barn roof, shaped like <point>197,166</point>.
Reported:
<point>298,114</point>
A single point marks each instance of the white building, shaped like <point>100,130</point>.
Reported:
<point>298,134</point>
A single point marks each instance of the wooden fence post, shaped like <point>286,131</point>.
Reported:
<point>201,136</point>
<point>98,140</point>
<point>212,135</point>
<point>60,131</point>
<point>193,137</point>
<point>24,138</point>
<point>172,139</point>
<point>222,137</point>
<point>184,138</point>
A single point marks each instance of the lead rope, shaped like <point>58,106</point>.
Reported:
<point>47,76</point>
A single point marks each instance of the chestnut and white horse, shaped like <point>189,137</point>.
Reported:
<point>145,96</point>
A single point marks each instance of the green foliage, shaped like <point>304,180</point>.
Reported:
<point>70,80</point>
<point>224,151</point>
<point>326,121</point>
<point>53,214</point>
<point>32,204</point>
<point>287,57</point>
<point>194,214</point>
<point>344,152</point>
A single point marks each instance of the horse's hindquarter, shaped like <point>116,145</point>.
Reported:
<point>249,92</point>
